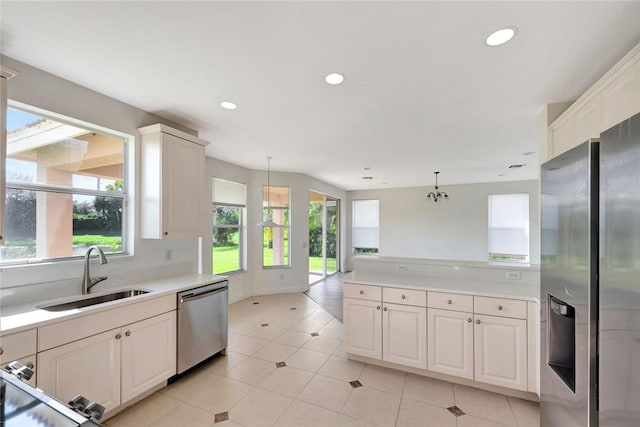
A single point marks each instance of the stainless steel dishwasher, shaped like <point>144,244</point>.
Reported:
<point>202,323</point>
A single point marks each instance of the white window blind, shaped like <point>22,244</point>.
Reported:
<point>366,219</point>
<point>229,192</point>
<point>509,225</point>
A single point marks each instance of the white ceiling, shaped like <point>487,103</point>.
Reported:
<point>422,91</point>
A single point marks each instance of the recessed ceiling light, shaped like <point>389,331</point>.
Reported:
<point>228,105</point>
<point>334,78</point>
<point>501,36</point>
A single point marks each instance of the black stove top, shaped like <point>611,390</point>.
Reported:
<point>24,406</point>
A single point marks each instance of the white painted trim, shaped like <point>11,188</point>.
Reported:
<point>619,68</point>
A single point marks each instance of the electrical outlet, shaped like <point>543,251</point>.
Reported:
<point>513,275</point>
<point>402,267</point>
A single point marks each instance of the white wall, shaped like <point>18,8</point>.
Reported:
<point>150,260</point>
<point>46,91</point>
<point>256,280</point>
<point>412,226</point>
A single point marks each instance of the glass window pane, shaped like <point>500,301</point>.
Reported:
<point>509,227</point>
<point>278,197</point>
<point>44,151</point>
<point>365,230</point>
<point>44,225</point>
<point>226,250</point>
<point>224,215</point>
<point>275,246</point>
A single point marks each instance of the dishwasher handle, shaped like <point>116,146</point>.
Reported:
<point>193,296</point>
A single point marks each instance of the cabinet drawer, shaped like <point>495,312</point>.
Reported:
<point>18,345</point>
<point>405,296</point>
<point>447,301</point>
<point>368,292</point>
<point>500,307</point>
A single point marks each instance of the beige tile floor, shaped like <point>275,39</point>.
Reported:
<point>247,389</point>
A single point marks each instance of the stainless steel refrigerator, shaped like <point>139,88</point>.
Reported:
<point>590,282</point>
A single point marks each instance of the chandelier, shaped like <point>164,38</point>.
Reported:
<point>438,195</point>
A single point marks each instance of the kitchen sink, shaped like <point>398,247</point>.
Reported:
<point>98,299</point>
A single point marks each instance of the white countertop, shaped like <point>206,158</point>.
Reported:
<point>515,289</point>
<point>20,317</point>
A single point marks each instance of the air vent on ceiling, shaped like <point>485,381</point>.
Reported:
<point>367,177</point>
<point>516,166</point>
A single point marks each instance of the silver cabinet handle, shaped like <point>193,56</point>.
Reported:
<point>478,321</point>
<point>361,292</point>
<point>499,307</point>
<point>1,350</point>
<point>128,333</point>
<point>469,320</point>
<point>30,365</point>
<point>118,336</point>
<point>166,233</point>
<point>449,301</point>
<point>385,309</point>
<point>403,297</point>
<point>378,308</point>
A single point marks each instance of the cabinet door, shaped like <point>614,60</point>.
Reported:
<point>183,175</point>
<point>404,336</point>
<point>501,351</point>
<point>148,354</point>
<point>90,367</point>
<point>450,342</point>
<point>363,328</point>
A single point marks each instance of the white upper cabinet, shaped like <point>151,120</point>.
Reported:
<point>172,187</point>
<point>614,98</point>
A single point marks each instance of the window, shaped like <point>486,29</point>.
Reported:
<point>365,229</point>
<point>65,189</point>
<point>509,227</point>
<point>275,240</point>
<point>228,225</point>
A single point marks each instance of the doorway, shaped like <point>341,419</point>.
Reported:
<point>324,239</point>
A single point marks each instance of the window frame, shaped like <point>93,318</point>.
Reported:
<point>494,257</point>
<point>125,194</point>
<point>287,211</point>
<point>241,236</point>
<point>362,251</point>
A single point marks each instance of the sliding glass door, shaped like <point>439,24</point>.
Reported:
<point>324,215</point>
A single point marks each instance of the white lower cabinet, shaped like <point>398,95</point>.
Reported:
<point>404,335</point>
<point>363,327</point>
<point>148,354</point>
<point>112,367</point>
<point>450,342</point>
<point>90,367</point>
<point>501,351</point>
<point>378,329</point>
<point>484,339</point>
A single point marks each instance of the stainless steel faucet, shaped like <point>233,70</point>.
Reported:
<point>87,281</point>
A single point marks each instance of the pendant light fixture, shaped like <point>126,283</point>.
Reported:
<point>438,195</point>
<point>268,221</point>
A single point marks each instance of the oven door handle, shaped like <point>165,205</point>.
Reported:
<point>193,297</point>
